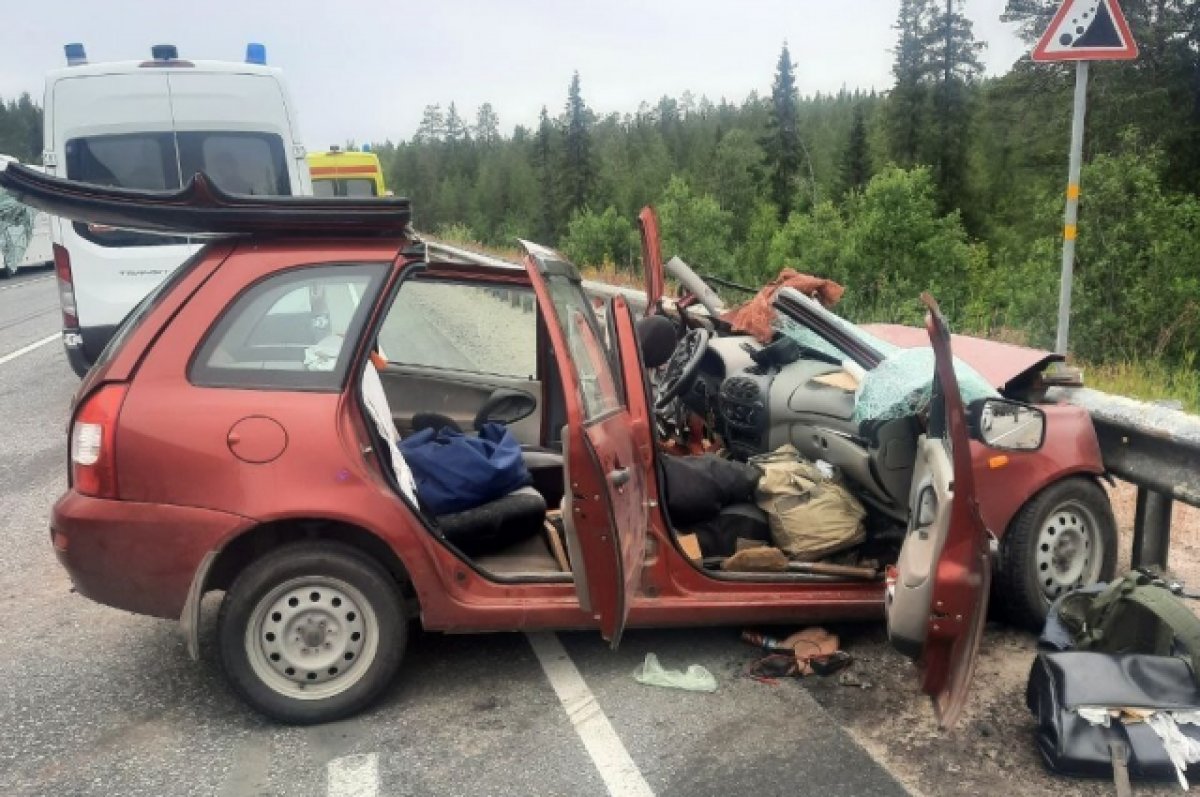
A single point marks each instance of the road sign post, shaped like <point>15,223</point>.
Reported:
<point>1081,31</point>
<point>1071,217</point>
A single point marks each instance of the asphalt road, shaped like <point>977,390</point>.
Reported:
<point>101,702</point>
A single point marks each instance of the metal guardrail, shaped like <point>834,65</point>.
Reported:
<point>1153,447</point>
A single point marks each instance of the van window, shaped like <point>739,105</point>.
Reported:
<point>293,330</point>
<point>238,162</point>
<point>355,186</point>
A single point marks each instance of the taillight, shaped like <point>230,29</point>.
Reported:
<point>93,442</point>
<point>66,287</point>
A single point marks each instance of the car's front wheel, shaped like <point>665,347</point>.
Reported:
<point>1062,539</point>
<point>311,632</point>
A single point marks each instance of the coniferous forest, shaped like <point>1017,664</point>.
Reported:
<point>947,182</point>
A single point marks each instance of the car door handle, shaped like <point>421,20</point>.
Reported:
<point>619,476</point>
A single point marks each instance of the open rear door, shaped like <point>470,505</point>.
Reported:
<point>652,262</point>
<point>605,508</point>
<point>937,593</point>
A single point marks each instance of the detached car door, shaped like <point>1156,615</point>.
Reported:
<point>937,593</point>
<point>604,509</point>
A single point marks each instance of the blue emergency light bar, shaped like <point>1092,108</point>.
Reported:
<point>76,55</point>
<point>256,53</point>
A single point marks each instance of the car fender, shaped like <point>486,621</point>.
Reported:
<point>403,538</point>
<point>1006,481</point>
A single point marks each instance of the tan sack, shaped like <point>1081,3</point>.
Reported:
<point>811,516</point>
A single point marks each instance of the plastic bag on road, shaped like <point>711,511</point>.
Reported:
<point>696,679</point>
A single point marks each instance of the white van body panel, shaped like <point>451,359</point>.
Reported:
<point>165,120</point>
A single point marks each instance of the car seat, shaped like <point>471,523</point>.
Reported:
<point>483,529</point>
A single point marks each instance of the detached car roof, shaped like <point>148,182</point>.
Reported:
<point>201,207</point>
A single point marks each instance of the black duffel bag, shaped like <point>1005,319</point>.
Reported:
<point>1062,682</point>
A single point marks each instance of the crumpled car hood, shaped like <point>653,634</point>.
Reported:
<point>1003,365</point>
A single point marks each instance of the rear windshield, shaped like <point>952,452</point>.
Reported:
<point>355,186</point>
<point>238,162</point>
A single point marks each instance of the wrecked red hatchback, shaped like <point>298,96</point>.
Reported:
<point>242,433</point>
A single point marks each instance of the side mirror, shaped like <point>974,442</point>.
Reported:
<point>1007,425</point>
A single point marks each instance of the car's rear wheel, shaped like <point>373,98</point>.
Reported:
<point>312,632</point>
<point>1063,539</point>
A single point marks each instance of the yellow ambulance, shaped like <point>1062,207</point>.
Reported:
<point>341,172</point>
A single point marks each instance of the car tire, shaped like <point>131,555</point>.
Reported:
<point>312,632</point>
<point>1065,537</point>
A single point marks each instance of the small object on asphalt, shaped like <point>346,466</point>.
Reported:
<point>807,652</point>
<point>695,679</point>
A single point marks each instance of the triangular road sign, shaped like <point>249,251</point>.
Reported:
<point>1087,30</point>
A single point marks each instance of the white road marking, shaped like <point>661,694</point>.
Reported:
<point>612,760</point>
<point>353,776</point>
<point>23,283</point>
<point>37,344</point>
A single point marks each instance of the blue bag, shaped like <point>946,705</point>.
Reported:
<point>455,472</point>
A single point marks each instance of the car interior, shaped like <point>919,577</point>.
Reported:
<point>461,355</point>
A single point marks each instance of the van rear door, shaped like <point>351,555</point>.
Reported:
<point>238,129</point>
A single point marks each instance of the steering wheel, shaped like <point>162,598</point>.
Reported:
<point>680,371</point>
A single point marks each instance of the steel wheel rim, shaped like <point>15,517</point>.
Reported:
<point>1069,551</point>
<point>322,629</point>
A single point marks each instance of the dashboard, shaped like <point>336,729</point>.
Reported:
<point>758,408</point>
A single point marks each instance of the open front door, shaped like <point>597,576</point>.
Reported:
<point>937,593</point>
<point>652,262</point>
<point>605,509</point>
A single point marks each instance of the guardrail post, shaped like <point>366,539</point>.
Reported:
<point>1151,529</point>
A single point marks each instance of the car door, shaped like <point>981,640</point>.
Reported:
<point>938,590</point>
<point>605,509</point>
<point>652,262</point>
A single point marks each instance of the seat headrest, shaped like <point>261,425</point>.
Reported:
<point>657,337</point>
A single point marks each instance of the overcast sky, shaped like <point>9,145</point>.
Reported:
<point>366,72</point>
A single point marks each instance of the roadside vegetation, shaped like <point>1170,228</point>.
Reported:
<point>947,182</point>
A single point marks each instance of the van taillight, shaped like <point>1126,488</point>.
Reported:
<point>93,442</point>
<point>66,287</point>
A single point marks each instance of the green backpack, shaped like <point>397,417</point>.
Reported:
<point>1134,614</point>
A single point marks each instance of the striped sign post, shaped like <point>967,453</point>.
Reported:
<point>1082,31</point>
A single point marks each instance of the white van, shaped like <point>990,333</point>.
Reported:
<point>153,124</point>
<point>24,233</point>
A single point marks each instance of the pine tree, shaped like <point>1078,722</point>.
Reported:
<point>579,175</point>
<point>487,125</point>
<point>907,107</point>
<point>543,164</point>
<point>432,128</point>
<point>954,60</point>
<point>856,160</point>
<point>782,143</point>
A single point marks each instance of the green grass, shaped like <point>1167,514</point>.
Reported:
<point>1151,380</point>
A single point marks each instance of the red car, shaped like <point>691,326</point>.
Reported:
<point>237,435</point>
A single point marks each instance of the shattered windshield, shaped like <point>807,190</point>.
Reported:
<point>807,337</point>
<point>902,382</point>
<point>902,385</point>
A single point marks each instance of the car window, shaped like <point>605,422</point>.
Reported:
<point>586,347</point>
<point>452,326</point>
<point>292,330</point>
